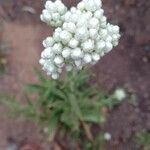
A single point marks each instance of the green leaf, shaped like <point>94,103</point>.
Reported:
<point>74,106</point>
<point>70,119</point>
<point>34,88</point>
<point>52,125</point>
<point>91,116</point>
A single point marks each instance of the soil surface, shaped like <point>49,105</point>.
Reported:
<point>128,66</point>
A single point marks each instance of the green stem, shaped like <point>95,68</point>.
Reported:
<point>77,110</point>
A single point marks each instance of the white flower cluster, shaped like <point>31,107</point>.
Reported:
<point>53,13</point>
<point>84,37</point>
<point>120,94</point>
<point>107,136</point>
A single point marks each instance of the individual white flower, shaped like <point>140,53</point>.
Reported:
<point>94,23</point>
<point>55,76</point>
<point>103,19</point>
<point>51,68</point>
<point>95,57</point>
<point>76,53</point>
<point>66,52</point>
<point>48,42</point>
<point>115,29</point>
<point>65,36</point>
<point>108,47</point>
<point>67,16</point>
<point>81,33</point>
<point>47,53</point>
<point>46,15</point>
<point>58,29</point>
<point>93,33</point>
<point>92,5</point>
<point>74,18</point>
<point>79,12</point>
<point>83,21</point>
<point>73,9</point>
<point>88,45</point>
<point>103,33</point>
<point>57,48</point>
<point>73,43</point>
<point>120,94</point>
<point>71,27</point>
<point>56,16</point>
<point>42,18</point>
<point>78,63</point>
<point>87,58</point>
<point>98,3</point>
<point>49,5</point>
<point>58,60</point>
<point>100,46</point>
<point>87,15</point>
<point>81,6</point>
<point>109,39</point>
<point>61,8</point>
<point>42,61</point>
<point>115,37</point>
<point>107,136</point>
<point>56,36</point>
<point>99,13</point>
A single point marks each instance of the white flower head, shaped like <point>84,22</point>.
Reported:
<point>82,33</point>
<point>73,43</point>
<point>66,52</point>
<point>120,94</point>
<point>53,12</point>
<point>88,45</point>
<point>81,38</point>
<point>48,42</point>
<point>65,36</point>
<point>107,136</point>
<point>76,53</point>
<point>58,60</point>
<point>92,5</point>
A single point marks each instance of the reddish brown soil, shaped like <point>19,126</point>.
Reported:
<point>126,66</point>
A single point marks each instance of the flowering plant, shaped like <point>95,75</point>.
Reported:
<point>82,36</point>
<point>67,109</point>
<point>70,107</point>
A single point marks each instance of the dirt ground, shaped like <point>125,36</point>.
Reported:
<point>126,66</point>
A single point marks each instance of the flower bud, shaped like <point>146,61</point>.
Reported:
<point>99,13</point>
<point>95,57</point>
<point>48,42</point>
<point>87,58</point>
<point>94,23</point>
<point>88,45</point>
<point>65,36</point>
<point>81,33</point>
<point>81,6</point>
<point>58,60</point>
<point>76,53</point>
<point>66,52</point>
<point>55,76</point>
<point>73,43</point>
<point>108,47</point>
<point>100,46</point>
<point>57,48</point>
<point>93,33</point>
